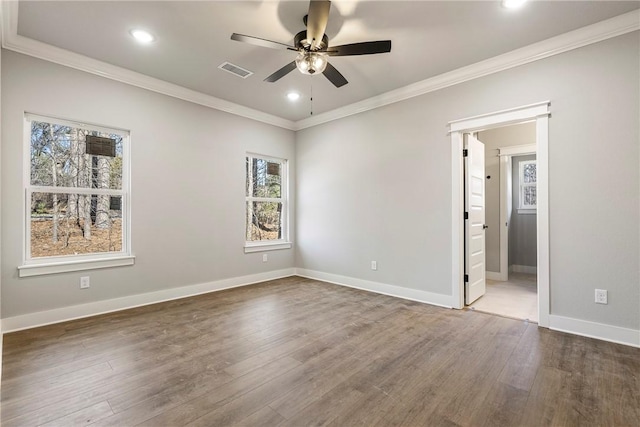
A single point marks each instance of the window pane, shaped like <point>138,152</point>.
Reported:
<point>264,178</point>
<point>59,158</point>
<point>74,224</point>
<point>529,173</point>
<point>264,221</point>
<point>529,196</point>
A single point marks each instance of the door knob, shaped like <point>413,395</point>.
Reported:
<point>485,226</point>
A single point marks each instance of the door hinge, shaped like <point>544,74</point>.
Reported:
<point>465,152</point>
<point>466,215</point>
<point>466,278</point>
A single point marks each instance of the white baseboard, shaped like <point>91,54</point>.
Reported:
<point>379,288</point>
<point>42,318</point>
<point>527,269</point>
<point>585,328</point>
<point>492,275</point>
<point>599,331</point>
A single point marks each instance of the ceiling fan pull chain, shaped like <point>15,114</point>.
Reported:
<point>311,77</point>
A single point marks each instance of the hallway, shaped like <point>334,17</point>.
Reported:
<point>517,298</point>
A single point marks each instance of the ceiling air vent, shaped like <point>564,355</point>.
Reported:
<point>235,70</point>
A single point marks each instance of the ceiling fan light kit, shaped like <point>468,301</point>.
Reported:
<point>313,48</point>
<point>311,62</point>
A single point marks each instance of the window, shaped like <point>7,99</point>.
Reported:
<point>76,196</point>
<point>528,182</point>
<point>266,203</point>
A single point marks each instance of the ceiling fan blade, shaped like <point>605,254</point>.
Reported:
<point>260,42</point>
<point>317,21</point>
<point>281,72</point>
<point>334,76</point>
<point>364,48</point>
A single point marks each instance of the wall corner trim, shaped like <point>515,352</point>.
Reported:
<point>13,41</point>
<point>64,314</point>
<point>590,34</point>
<point>575,39</point>
<point>601,331</point>
<point>378,288</point>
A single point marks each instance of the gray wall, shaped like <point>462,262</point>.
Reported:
<point>371,186</point>
<point>493,139</point>
<point>377,185</point>
<point>187,185</point>
<point>523,227</point>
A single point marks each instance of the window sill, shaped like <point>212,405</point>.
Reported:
<point>29,270</point>
<point>527,211</point>
<point>261,247</point>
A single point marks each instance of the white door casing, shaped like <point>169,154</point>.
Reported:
<point>540,113</point>
<point>475,254</point>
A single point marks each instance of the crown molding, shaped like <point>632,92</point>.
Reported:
<point>594,33</point>
<point>12,41</point>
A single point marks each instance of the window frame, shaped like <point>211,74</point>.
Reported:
<point>284,242</point>
<point>522,207</point>
<point>66,263</point>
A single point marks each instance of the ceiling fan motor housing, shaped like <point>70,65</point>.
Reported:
<point>300,41</point>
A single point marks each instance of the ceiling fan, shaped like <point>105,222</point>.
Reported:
<point>313,47</point>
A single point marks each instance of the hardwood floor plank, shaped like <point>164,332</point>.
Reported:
<point>264,417</point>
<point>83,417</point>
<point>349,357</point>
<point>300,352</point>
<point>158,412</point>
<point>14,389</point>
<point>520,371</point>
<point>548,388</point>
<point>178,380</point>
<point>502,406</point>
<point>329,406</point>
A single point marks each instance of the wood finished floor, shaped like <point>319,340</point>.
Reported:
<point>297,352</point>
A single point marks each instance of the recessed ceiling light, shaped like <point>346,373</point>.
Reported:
<point>142,36</point>
<point>512,4</point>
<point>293,96</point>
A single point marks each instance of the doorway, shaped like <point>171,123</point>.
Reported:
<point>511,217</point>
<point>539,114</point>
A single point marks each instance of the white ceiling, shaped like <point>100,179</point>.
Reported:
<point>428,38</point>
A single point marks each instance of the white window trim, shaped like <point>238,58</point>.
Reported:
<point>526,211</point>
<point>251,247</point>
<point>272,245</point>
<point>29,270</point>
<point>69,263</point>
<point>522,208</point>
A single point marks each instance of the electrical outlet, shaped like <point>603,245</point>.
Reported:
<point>601,296</point>
<point>374,265</point>
<point>265,257</point>
<point>84,282</point>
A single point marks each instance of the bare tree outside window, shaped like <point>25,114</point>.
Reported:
<point>265,181</point>
<point>528,184</point>
<point>75,196</point>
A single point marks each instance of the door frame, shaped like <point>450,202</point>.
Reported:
<point>506,205</point>
<point>540,113</point>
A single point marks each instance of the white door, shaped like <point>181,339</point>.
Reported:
<point>474,222</point>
